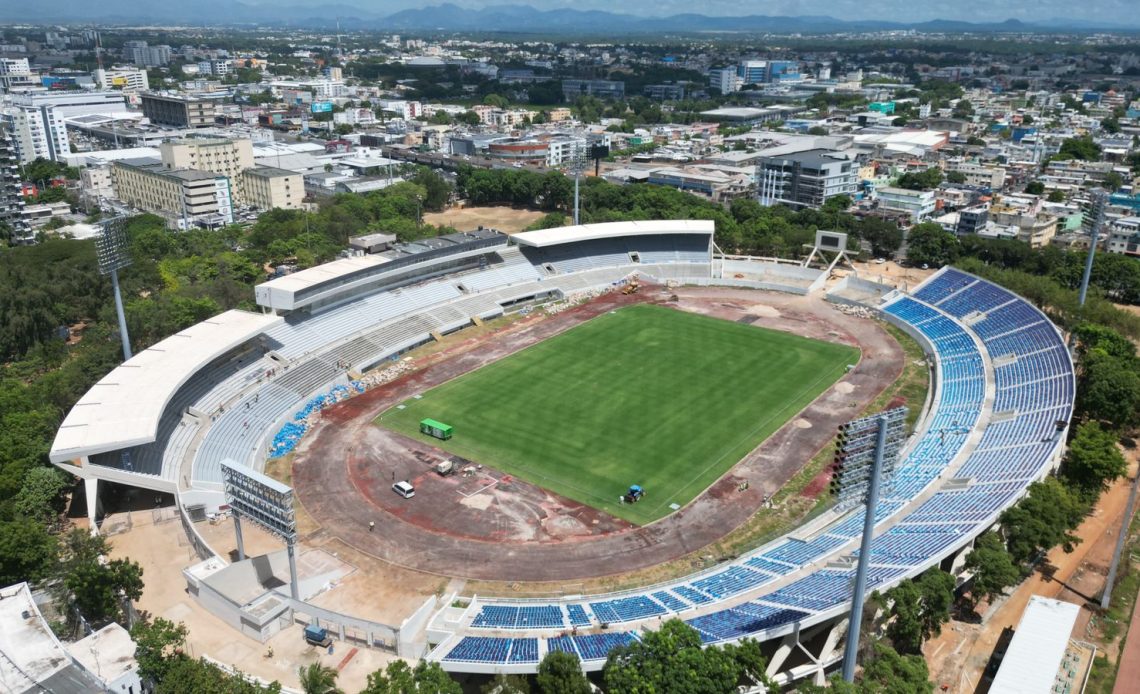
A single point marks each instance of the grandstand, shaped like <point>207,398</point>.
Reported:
<point>1003,387</point>
<point>1002,398</point>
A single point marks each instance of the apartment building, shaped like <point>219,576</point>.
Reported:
<point>266,188</point>
<point>184,197</point>
<point>1124,237</point>
<point>918,204</point>
<point>179,111</point>
<point>805,179</point>
<point>11,197</point>
<point>228,158</point>
<point>36,133</point>
<point>992,177</point>
<point>724,79</point>
<point>16,73</point>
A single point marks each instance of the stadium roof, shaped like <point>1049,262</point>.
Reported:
<point>1034,655</point>
<point>123,409</point>
<point>590,232</point>
<point>314,276</point>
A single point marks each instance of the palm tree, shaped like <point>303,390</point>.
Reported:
<point>318,679</point>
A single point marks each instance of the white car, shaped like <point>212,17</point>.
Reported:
<point>404,489</point>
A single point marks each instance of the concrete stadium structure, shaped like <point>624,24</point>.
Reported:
<point>1000,401</point>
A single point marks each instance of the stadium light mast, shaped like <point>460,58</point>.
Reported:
<point>111,251</point>
<point>868,451</point>
<point>1099,200</point>
<point>577,165</point>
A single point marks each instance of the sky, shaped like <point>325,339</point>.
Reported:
<point>1109,11</point>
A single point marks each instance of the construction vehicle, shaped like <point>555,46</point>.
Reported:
<point>635,494</point>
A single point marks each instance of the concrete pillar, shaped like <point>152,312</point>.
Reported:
<point>91,487</point>
<point>787,644</point>
<point>237,534</point>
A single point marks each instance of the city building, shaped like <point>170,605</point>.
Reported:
<point>33,660</point>
<point>565,150</point>
<point>752,71</point>
<point>918,204</point>
<point>1124,236</point>
<point>37,121</point>
<point>184,197</point>
<point>603,89</point>
<point>266,188</point>
<point>992,177</point>
<point>519,150</point>
<point>972,220</point>
<point>724,79</point>
<point>665,92</point>
<point>179,111</point>
<point>15,74</point>
<point>140,53</point>
<point>805,179</point>
<point>228,158</point>
<point>127,79</point>
<point>11,197</point>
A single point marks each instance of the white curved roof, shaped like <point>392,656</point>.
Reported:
<point>123,409</point>
<point>590,232</point>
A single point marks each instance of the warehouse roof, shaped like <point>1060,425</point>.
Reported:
<point>123,409</point>
<point>589,232</point>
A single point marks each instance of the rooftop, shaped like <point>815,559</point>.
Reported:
<point>123,409</point>
<point>33,658</point>
<point>589,232</point>
<point>1034,655</point>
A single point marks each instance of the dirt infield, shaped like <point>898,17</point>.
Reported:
<point>489,526</point>
<point>507,219</point>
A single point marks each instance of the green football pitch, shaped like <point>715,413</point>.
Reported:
<point>643,395</point>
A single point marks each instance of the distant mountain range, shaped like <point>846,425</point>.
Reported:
<point>499,18</point>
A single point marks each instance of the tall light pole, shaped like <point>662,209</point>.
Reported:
<point>111,250</point>
<point>1097,202</point>
<point>577,165</point>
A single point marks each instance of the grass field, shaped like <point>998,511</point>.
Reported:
<point>644,395</point>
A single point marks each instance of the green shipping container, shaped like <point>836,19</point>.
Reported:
<point>437,429</point>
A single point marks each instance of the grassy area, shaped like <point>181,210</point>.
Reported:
<point>643,395</point>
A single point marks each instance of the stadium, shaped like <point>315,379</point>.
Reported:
<point>623,383</point>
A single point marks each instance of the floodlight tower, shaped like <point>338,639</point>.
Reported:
<point>111,250</point>
<point>1097,202</point>
<point>577,165</point>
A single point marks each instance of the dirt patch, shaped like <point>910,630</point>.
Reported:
<point>506,219</point>
<point>344,471</point>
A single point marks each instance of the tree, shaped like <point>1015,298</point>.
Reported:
<point>97,586</point>
<point>41,497</point>
<point>956,177</point>
<point>506,684</point>
<point>496,101</point>
<point>884,236</point>
<point>671,659</point>
<point>426,678</point>
<point>158,644</point>
<point>921,180</point>
<point>918,609</point>
<point>469,118</point>
<point>992,568</point>
<point>891,673</point>
<point>1113,181</point>
<point>1055,196</point>
<point>1043,519</point>
<point>1035,188</point>
<point>318,679</point>
<point>437,191</point>
<point>561,673</point>
<point>817,130</point>
<point>1093,460</point>
<point>930,244</point>
<point>27,551</point>
<point>1109,390</point>
<point>1084,148</point>
<point>188,676</point>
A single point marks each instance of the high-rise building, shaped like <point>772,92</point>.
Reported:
<point>140,53</point>
<point>724,79</point>
<point>179,111</point>
<point>752,71</point>
<point>805,179</point>
<point>11,197</point>
<point>37,121</point>
<point>228,158</point>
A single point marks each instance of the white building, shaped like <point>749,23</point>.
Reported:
<point>1124,236</point>
<point>15,73</point>
<point>564,150</point>
<point>127,79</point>
<point>919,204</point>
<point>36,133</point>
<point>725,79</point>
